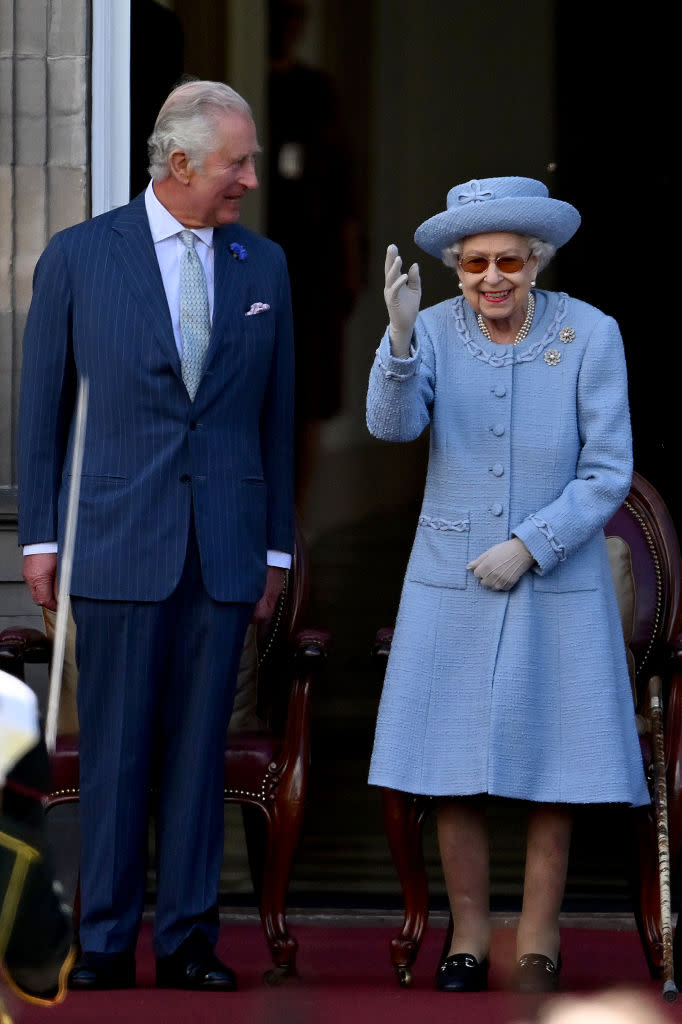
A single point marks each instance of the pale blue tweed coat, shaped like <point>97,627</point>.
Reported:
<point>525,693</point>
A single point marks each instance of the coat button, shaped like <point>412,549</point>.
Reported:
<point>496,509</point>
<point>185,478</point>
<point>499,390</point>
<point>497,469</point>
<point>497,429</point>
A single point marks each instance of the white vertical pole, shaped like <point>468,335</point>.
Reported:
<point>110,125</point>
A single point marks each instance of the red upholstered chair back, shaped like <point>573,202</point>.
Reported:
<point>653,621</point>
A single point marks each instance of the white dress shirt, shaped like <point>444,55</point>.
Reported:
<point>169,249</point>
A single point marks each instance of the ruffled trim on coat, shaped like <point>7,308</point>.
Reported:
<point>510,353</point>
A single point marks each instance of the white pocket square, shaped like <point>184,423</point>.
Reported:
<point>257,307</point>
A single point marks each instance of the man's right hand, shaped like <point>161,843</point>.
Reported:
<point>40,573</point>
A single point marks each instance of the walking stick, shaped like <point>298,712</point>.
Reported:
<point>61,623</point>
<point>670,992</point>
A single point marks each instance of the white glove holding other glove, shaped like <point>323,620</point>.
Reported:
<point>402,294</point>
<point>503,565</point>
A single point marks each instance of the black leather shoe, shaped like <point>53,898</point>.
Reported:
<point>537,973</point>
<point>96,971</point>
<point>462,973</point>
<point>195,966</point>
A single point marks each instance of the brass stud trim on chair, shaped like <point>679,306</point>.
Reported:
<point>659,588</point>
<point>245,792</point>
<point>273,630</point>
<point>62,792</point>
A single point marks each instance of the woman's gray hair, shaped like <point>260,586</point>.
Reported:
<point>544,251</point>
<point>187,121</point>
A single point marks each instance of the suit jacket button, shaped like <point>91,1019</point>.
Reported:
<point>185,478</point>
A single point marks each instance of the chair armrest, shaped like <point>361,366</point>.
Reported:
<point>21,646</point>
<point>311,645</point>
<point>309,657</point>
<point>382,642</point>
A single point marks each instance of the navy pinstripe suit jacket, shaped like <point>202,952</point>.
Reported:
<point>99,310</point>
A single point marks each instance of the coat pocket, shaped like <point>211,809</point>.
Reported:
<point>441,550</point>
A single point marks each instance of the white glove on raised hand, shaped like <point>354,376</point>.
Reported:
<point>503,565</point>
<point>402,294</point>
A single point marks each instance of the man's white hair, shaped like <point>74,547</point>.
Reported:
<point>187,121</point>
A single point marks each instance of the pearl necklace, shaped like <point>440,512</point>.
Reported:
<point>525,326</point>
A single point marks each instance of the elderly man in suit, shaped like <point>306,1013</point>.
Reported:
<point>181,321</point>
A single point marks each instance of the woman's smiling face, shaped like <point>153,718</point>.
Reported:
<point>498,294</point>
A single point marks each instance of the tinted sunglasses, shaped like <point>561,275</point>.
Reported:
<point>505,264</point>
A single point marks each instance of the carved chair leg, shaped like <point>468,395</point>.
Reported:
<point>403,822</point>
<point>282,839</point>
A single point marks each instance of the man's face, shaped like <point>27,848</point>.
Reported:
<point>215,191</point>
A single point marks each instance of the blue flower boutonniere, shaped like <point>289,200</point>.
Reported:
<point>238,251</point>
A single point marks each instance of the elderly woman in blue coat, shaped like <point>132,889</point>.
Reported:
<point>507,674</point>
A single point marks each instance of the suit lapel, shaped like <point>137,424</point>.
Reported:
<point>137,259</point>
<point>230,276</point>
<point>136,256</point>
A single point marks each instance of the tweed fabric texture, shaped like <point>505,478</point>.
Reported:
<point>195,321</point>
<point>525,693</point>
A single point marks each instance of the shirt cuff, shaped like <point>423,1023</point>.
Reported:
<point>279,559</point>
<point>276,558</point>
<point>46,548</point>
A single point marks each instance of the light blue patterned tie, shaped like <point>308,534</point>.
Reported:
<point>195,321</point>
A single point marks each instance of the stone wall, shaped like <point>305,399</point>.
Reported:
<point>44,186</point>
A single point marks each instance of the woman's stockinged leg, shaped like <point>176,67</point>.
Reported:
<point>547,849</point>
<point>465,855</point>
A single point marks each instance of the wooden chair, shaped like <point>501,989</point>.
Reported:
<point>645,559</point>
<point>266,767</point>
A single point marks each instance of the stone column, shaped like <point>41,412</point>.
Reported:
<point>44,186</point>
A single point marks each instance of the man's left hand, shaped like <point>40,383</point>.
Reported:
<point>274,585</point>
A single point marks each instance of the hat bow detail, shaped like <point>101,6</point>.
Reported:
<point>474,195</point>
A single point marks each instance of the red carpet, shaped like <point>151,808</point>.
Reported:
<point>346,978</point>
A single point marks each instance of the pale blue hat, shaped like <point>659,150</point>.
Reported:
<point>519,205</point>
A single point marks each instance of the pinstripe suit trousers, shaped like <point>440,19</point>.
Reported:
<point>156,686</point>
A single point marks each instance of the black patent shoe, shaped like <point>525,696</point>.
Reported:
<point>97,972</point>
<point>537,973</point>
<point>462,972</point>
<point>195,966</point>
